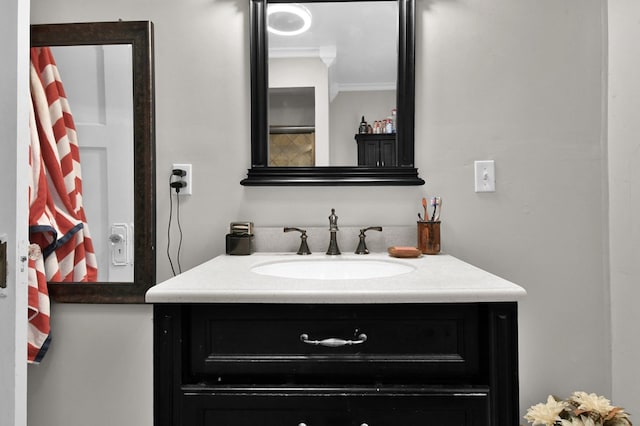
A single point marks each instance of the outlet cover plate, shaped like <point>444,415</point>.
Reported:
<point>188,178</point>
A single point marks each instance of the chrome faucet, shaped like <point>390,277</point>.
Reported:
<point>333,229</point>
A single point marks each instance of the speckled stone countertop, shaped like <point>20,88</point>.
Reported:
<point>433,279</point>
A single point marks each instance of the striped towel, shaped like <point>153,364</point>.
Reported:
<point>38,311</point>
<point>57,221</point>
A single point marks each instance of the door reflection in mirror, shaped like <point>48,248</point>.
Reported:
<point>292,141</point>
<point>98,82</point>
<point>349,56</point>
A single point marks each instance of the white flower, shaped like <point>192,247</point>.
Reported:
<point>618,417</point>
<point>545,414</point>
<point>581,409</point>
<point>592,402</point>
<point>578,421</point>
<point>619,421</point>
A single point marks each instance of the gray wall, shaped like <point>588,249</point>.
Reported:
<point>516,81</point>
<point>292,107</point>
<point>624,180</point>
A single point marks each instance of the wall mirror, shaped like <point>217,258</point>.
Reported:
<point>107,71</point>
<point>317,68</point>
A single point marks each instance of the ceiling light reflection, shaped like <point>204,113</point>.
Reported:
<point>288,19</point>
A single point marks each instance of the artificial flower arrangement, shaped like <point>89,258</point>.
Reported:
<point>581,409</point>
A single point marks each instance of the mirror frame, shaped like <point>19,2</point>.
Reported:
<point>262,175</point>
<point>139,34</point>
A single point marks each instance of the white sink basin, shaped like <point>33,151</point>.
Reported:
<point>333,269</point>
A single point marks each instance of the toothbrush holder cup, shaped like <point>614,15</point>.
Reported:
<point>429,237</point>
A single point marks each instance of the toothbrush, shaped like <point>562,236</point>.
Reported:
<point>424,206</point>
<point>439,209</point>
<point>420,217</point>
<point>434,204</point>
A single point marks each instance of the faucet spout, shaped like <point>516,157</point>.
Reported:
<point>333,229</point>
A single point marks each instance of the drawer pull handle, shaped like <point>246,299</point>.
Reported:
<point>333,342</point>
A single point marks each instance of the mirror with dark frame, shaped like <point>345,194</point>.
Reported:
<point>134,157</point>
<point>265,172</point>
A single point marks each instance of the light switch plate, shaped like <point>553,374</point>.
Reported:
<point>485,176</point>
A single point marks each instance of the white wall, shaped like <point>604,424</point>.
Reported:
<point>98,370</point>
<point>307,72</point>
<point>516,81</point>
<point>14,140</point>
<point>624,193</point>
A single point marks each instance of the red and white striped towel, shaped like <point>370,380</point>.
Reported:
<point>39,307</point>
<point>57,222</point>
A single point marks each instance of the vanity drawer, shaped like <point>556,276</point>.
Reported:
<point>333,343</point>
<point>335,407</point>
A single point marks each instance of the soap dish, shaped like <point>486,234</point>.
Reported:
<point>398,251</point>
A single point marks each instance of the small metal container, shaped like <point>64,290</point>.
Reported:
<point>240,239</point>
<point>429,237</point>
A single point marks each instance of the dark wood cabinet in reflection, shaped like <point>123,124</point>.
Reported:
<point>377,150</point>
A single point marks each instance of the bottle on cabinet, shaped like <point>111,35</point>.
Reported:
<point>387,125</point>
<point>363,126</point>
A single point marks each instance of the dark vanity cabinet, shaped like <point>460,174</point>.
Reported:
<point>336,364</point>
<point>377,150</point>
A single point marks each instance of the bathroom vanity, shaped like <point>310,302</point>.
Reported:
<point>239,340</point>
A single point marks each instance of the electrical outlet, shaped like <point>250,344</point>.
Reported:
<point>188,178</point>
<point>485,176</point>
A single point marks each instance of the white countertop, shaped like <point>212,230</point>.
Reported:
<point>436,279</point>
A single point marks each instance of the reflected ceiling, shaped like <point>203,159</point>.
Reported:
<point>340,33</point>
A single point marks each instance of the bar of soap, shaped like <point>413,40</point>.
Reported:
<point>399,251</point>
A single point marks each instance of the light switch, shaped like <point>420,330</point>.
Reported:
<point>485,176</point>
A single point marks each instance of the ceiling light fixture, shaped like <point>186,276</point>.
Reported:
<point>288,19</point>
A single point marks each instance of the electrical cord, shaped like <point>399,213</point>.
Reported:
<point>179,228</point>
<point>169,226</point>
<point>176,185</point>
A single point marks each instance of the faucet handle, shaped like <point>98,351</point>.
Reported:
<point>362,246</point>
<point>304,248</point>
